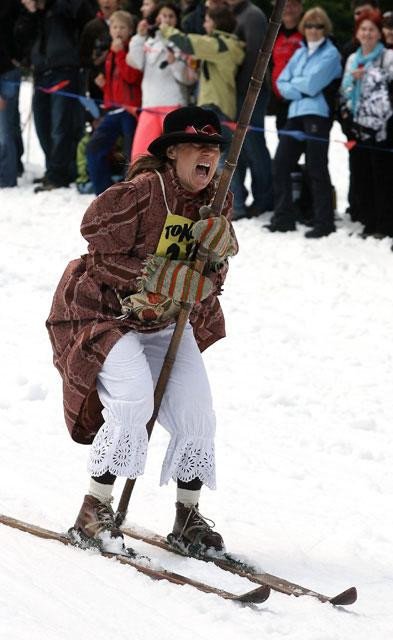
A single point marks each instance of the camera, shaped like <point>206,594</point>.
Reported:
<point>165,63</point>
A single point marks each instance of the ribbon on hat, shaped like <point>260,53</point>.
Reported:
<point>207,130</point>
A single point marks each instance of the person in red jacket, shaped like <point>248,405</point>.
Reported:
<point>121,86</point>
<point>95,43</point>
<point>288,40</point>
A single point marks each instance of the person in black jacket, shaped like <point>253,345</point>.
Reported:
<point>251,28</point>
<point>10,139</point>
<point>193,16</point>
<point>52,27</point>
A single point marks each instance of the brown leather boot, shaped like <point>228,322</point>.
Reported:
<point>95,525</point>
<point>193,531</point>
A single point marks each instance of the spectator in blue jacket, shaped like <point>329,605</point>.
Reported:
<point>305,81</point>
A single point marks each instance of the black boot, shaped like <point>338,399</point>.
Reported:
<point>275,227</point>
<point>319,232</point>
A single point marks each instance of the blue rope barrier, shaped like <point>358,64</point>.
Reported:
<point>92,105</point>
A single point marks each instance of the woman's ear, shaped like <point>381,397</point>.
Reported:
<point>171,153</point>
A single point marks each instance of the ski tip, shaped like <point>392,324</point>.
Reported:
<point>346,597</point>
<point>256,596</point>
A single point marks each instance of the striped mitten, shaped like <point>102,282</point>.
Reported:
<point>175,280</point>
<point>215,235</point>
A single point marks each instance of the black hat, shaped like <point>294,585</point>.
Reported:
<point>188,124</point>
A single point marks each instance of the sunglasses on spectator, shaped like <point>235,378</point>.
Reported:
<point>310,25</point>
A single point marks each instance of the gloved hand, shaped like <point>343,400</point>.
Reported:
<point>215,235</point>
<point>175,280</point>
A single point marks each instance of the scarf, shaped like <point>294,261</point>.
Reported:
<point>352,87</point>
<point>313,45</point>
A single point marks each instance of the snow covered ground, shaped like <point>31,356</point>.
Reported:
<point>303,395</point>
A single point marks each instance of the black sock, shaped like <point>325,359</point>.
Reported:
<point>107,478</point>
<point>193,485</point>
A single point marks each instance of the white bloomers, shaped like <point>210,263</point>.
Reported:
<point>125,386</point>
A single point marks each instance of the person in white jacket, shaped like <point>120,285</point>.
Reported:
<point>166,75</point>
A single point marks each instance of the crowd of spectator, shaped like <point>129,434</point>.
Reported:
<point>106,72</point>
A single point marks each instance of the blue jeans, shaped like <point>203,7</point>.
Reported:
<point>55,119</point>
<point>9,91</point>
<point>114,124</point>
<point>254,156</point>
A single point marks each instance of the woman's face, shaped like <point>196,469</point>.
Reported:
<point>388,35</point>
<point>108,7</point>
<point>292,13</point>
<point>368,35</point>
<point>209,25</point>
<point>167,16</point>
<point>314,30</point>
<point>147,7</point>
<point>195,164</point>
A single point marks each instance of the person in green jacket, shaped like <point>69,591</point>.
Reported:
<point>220,53</point>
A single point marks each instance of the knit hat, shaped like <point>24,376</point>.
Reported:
<point>188,124</point>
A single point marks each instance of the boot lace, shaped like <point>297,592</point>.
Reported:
<point>105,518</point>
<point>198,523</point>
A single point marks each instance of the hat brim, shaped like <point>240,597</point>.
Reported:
<point>160,145</point>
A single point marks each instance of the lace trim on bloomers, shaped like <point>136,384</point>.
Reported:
<point>121,451</point>
<point>120,446</point>
<point>186,460</point>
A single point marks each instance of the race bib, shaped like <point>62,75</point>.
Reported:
<point>176,238</point>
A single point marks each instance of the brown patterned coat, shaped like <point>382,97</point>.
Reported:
<point>122,226</point>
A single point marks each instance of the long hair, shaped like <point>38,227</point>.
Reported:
<point>166,5</point>
<point>145,164</point>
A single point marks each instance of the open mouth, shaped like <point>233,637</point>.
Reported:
<point>203,169</point>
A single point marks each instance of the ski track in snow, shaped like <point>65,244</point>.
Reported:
<point>302,389</point>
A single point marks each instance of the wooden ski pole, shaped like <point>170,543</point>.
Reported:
<point>214,209</point>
